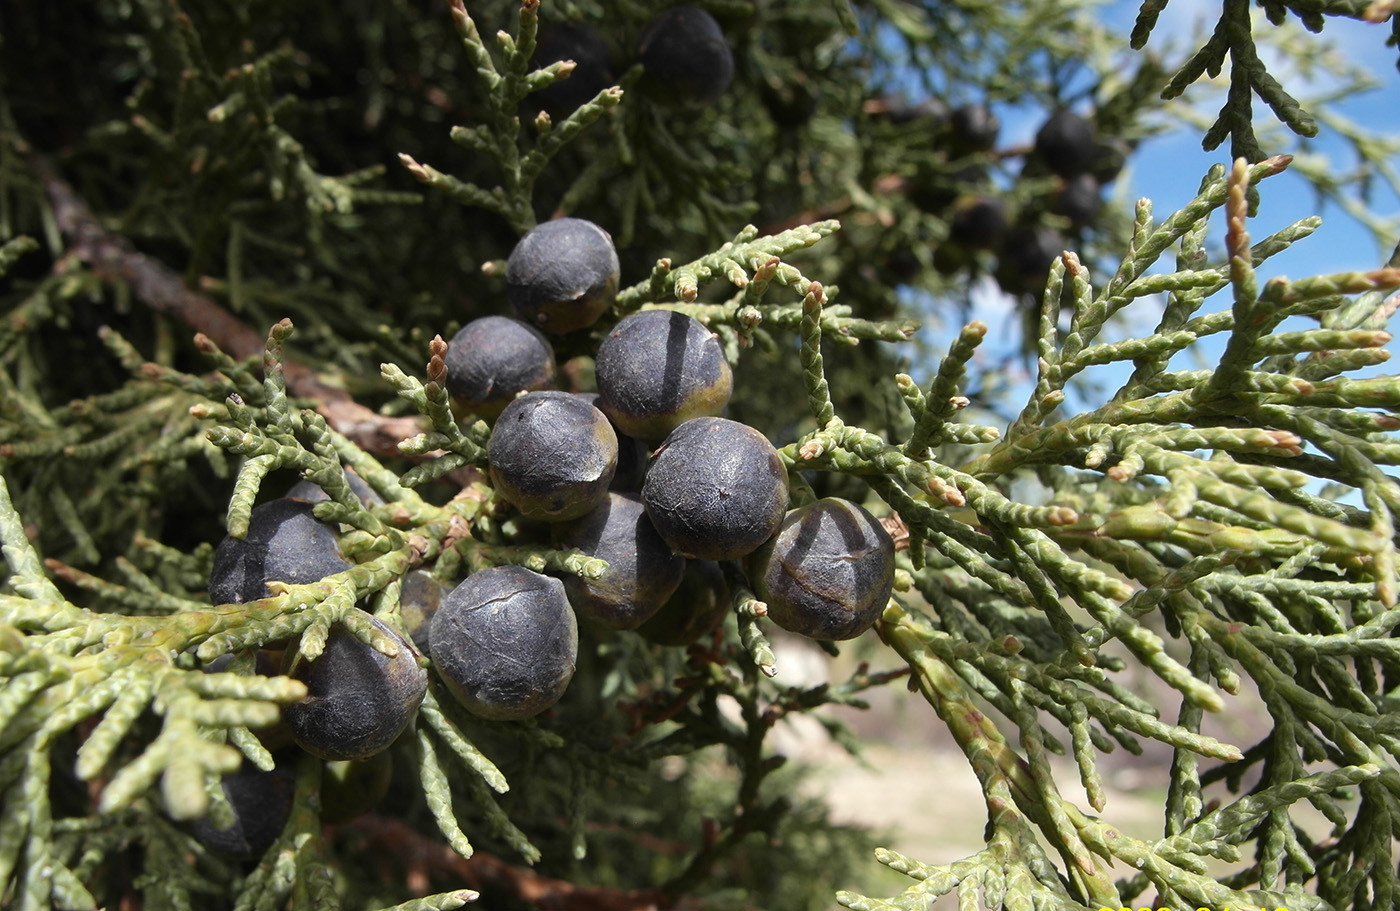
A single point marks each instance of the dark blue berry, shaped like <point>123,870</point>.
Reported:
<point>493,359</point>
<point>642,571</point>
<point>358,699</point>
<point>1067,143</point>
<point>684,57</point>
<point>552,455</point>
<point>563,275</point>
<point>716,489</point>
<point>700,604</point>
<point>658,369</point>
<point>505,642</point>
<point>592,68</point>
<point>285,543</point>
<point>827,573</point>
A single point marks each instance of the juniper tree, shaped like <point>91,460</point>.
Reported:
<point>236,237</point>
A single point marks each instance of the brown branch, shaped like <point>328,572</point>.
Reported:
<point>427,860</point>
<point>113,258</point>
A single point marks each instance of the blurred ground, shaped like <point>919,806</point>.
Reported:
<point>915,788</point>
<point>929,806</point>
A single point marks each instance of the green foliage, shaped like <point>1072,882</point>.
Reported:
<point>177,169</point>
<point>1249,76</point>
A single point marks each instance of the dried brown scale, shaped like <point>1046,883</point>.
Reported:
<point>897,529</point>
<point>437,365</point>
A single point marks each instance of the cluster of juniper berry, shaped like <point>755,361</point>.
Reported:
<point>642,474</point>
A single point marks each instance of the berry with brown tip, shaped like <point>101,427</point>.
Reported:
<point>493,359</point>
<point>552,455</point>
<point>828,572</point>
<point>642,571</point>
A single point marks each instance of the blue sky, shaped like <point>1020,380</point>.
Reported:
<point>1168,169</point>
